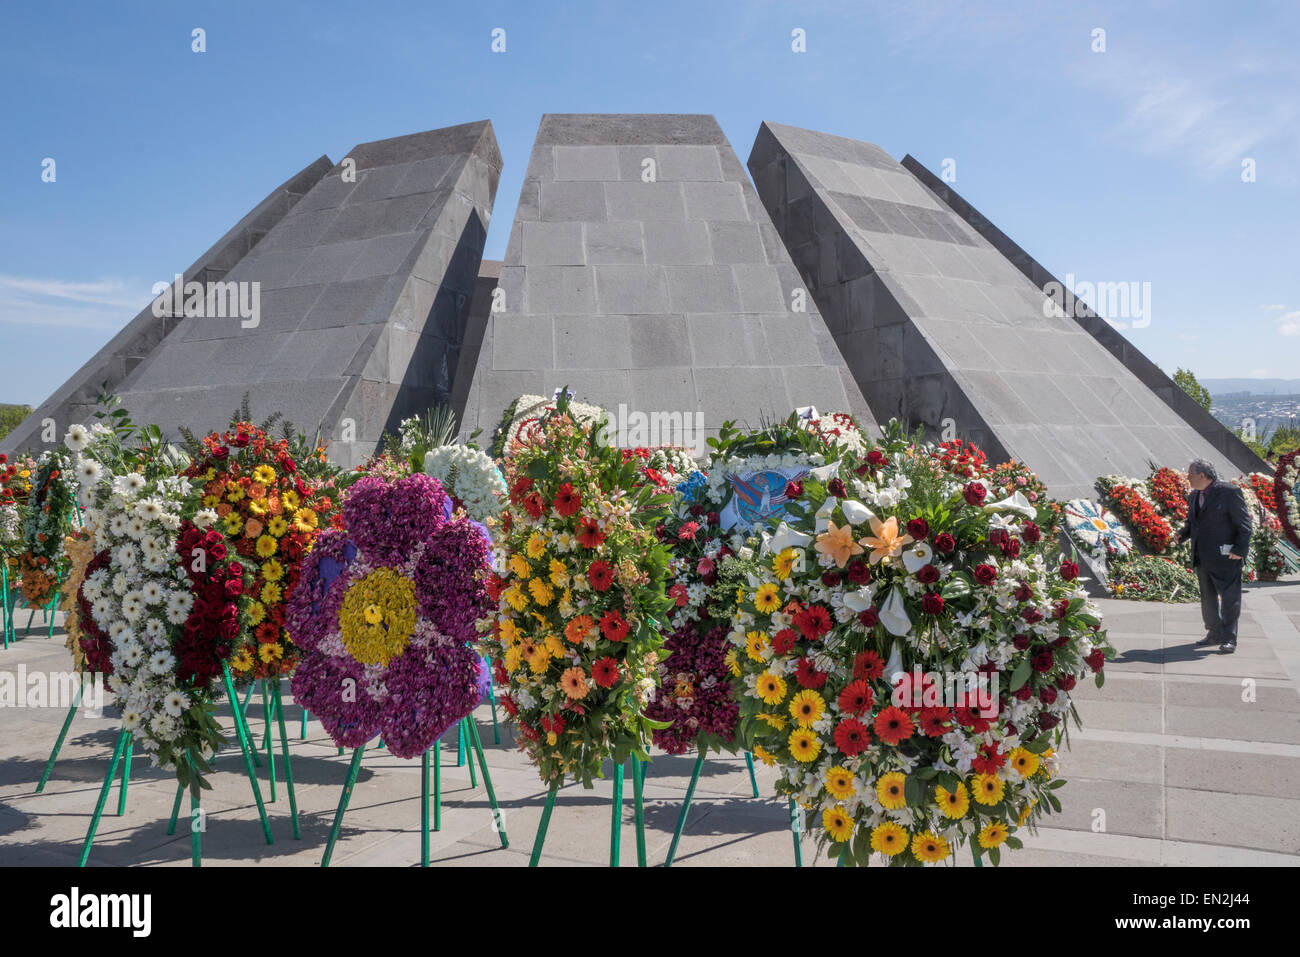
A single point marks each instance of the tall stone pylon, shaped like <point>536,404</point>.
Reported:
<point>74,401</point>
<point>361,292</point>
<point>942,331</point>
<point>642,272</point>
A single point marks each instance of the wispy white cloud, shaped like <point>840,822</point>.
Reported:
<point>66,303</point>
<point>1275,308</point>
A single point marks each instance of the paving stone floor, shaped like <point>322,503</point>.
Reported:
<point>1187,757</point>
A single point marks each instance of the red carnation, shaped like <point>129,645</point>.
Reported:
<point>876,458</point>
<point>893,726</point>
<point>852,736</point>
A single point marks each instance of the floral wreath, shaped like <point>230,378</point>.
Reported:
<point>384,612</point>
<point>1286,492</point>
<point>1096,529</point>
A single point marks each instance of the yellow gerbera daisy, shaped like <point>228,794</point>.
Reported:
<point>554,646</point>
<point>536,546</point>
<point>559,573</point>
<point>987,788</point>
<point>890,790</point>
<point>512,659</point>
<point>290,500</point>
<point>755,642</point>
<point>305,520</point>
<point>264,474</point>
<point>993,834</point>
<point>889,839</point>
<point>277,526</point>
<point>764,755</point>
<point>271,593</point>
<point>509,631</point>
<point>541,591</point>
<point>234,524</point>
<point>256,613</point>
<point>519,565</point>
<point>929,847</point>
<point>839,783</point>
<point>732,664</point>
<point>516,597</point>
<point>242,661</point>
<point>234,491</point>
<point>266,546</point>
<point>838,824</point>
<point>1026,762</point>
<point>766,599</point>
<point>807,707</point>
<point>1024,813</point>
<point>775,720</point>
<point>804,745</point>
<point>270,652</point>
<point>953,804</point>
<point>771,688</point>
<point>783,564</point>
<point>273,571</point>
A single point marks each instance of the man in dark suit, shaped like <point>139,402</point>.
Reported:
<point>1219,526</point>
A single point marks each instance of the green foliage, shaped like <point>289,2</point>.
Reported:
<point>1186,380</point>
<point>10,416</point>
<point>1252,443</point>
<point>1284,440</point>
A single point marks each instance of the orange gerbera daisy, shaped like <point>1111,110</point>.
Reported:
<point>579,628</point>
<point>574,683</point>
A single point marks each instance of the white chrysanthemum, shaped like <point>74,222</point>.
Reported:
<point>175,704</point>
<point>151,592</point>
<point>128,485</point>
<point>130,720</point>
<point>161,662</point>
<point>205,518</point>
<point>117,525</point>
<point>155,631</point>
<point>89,472</point>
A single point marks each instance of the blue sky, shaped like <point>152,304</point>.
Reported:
<point>1115,166</point>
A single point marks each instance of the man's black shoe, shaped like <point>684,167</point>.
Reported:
<point>1228,647</point>
<point>1208,640</point>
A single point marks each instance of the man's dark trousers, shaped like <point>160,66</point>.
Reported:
<point>1220,602</point>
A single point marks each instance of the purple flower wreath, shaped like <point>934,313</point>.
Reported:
<point>384,613</point>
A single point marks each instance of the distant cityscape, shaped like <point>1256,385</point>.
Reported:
<point>1268,412</point>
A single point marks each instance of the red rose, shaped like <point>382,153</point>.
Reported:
<point>945,543</point>
<point>1021,642</point>
<point>1061,608</point>
<point>927,574</point>
<point>713,518</point>
<point>836,487</point>
<point>919,529</point>
<point>1023,693</point>
<point>793,489</point>
<point>1047,695</point>
<point>1066,682</point>
<point>1048,721</point>
<point>974,493</point>
<point>217,552</point>
<point>1043,660</point>
<point>228,628</point>
<point>1069,570</point>
<point>859,572</point>
<point>876,458</point>
<point>1031,533</point>
<point>986,574</point>
<point>831,579</point>
<point>220,452</point>
<point>932,603</point>
<point>234,588</point>
<point>1096,659</point>
<point>236,569</point>
<point>1023,592</point>
<point>1032,615</point>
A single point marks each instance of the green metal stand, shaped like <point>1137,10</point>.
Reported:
<point>245,746</point>
<point>616,822</point>
<point>126,775</point>
<point>476,747</point>
<point>749,763</point>
<point>122,740</point>
<point>7,608</point>
<point>976,854</point>
<point>797,831</point>
<point>460,745</point>
<point>63,733</point>
<point>492,697</point>
<point>305,715</point>
<point>278,703</point>
<point>686,806</point>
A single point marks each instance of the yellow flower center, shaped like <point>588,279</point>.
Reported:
<point>378,616</point>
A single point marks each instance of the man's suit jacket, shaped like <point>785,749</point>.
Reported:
<point>1225,520</point>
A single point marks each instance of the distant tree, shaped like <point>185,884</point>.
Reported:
<point>1187,382</point>
<point>1284,440</point>
<point>10,416</point>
